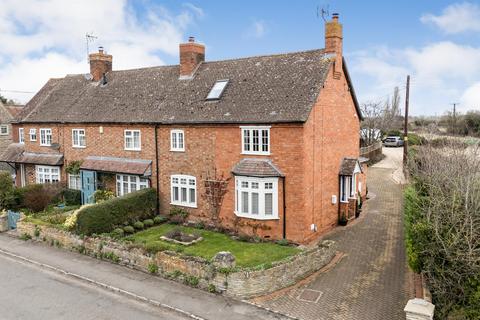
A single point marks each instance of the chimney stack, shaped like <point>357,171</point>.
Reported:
<point>191,55</point>
<point>334,40</point>
<point>100,63</point>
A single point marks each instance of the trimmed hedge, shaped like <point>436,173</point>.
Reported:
<point>106,216</point>
<point>72,197</point>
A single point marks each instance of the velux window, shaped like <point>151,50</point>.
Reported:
<point>255,140</point>
<point>217,90</point>
<point>184,190</point>
<point>256,198</point>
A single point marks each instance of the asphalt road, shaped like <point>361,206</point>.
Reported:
<point>32,293</point>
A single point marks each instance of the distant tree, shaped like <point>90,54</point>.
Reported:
<point>3,99</point>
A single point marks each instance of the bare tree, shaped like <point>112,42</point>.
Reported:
<point>215,189</point>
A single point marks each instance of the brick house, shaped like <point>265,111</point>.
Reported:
<point>265,145</point>
<point>8,113</point>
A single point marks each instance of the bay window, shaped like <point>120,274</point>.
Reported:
<point>256,198</point>
<point>183,190</point>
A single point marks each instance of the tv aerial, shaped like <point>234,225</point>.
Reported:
<point>89,37</point>
<point>323,12</point>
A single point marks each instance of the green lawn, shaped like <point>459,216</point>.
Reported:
<point>247,254</point>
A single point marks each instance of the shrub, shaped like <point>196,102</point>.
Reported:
<point>191,281</point>
<point>7,195</point>
<point>154,247</point>
<point>415,139</point>
<point>25,237</point>
<point>72,197</point>
<point>118,232</point>
<point>211,288</point>
<point>128,229</point>
<point>36,233</point>
<point>152,268</point>
<point>178,215</point>
<point>71,221</point>
<point>148,223</point>
<point>160,219</point>
<point>103,195</point>
<point>37,197</point>
<point>282,242</point>
<point>138,225</point>
<point>104,217</point>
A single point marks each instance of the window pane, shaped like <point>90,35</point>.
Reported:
<point>254,185</point>
<point>265,140</point>
<point>174,140</point>
<point>175,180</point>
<point>268,185</point>
<point>184,195</point>
<point>191,182</point>
<point>175,194</point>
<point>254,203</point>
<point>244,202</point>
<point>192,195</point>
<point>180,140</point>
<point>256,141</point>
<point>244,184</point>
<point>246,140</point>
<point>268,203</point>
<point>183,181</point>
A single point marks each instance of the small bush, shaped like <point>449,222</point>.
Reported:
<point>37,197</point>
<point>103,195</point>
<point>118,232</point>
<point>191,281</point>
<point>154,247</point>
<point>104,217</point>
<point>138,225</point>
<point>148,223</point>
<point>415,139</point>
<point>128,229</point>
<point>111,256</point>
<point>160,219</point>
<point>211,288</point>
<point>72,197</point>
<point>36,233</point>
<point>25,237</point>
<point>178,215</point>
<point>152,268</point>
<point>282,242</point>
<point>56,219</point>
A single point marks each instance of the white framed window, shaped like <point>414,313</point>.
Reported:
<point>255,140</point>
<point>128,183</point>
<point>33,134</point>
<point>21,135</point>
<point>3,130</point>
<point>132,140</point>
<point>74,181</point>
<point>45,137</point>
<point>183,190</point>
<point>47,174</point>
<point>177,140</point>
<point>217,89</point>
<point>78,138</point>
<point>256,198</point>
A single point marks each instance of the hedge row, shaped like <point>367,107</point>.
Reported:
<point>106,216</point>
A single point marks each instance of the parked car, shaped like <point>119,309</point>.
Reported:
<point>393,141</point>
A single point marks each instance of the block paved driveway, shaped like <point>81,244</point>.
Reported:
<point>372,279</point>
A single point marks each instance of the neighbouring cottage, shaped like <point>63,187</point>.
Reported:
<point>8,113</point>
<point>265,146</point>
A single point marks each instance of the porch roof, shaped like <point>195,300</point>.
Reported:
<point>15,153</point>
<point>349,166</point>
<point>118,165</point>
<point>256,168</point>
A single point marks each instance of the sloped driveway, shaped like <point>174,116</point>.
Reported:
<point>372,280</point>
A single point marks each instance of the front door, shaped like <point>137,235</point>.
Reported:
<point>89,185</point>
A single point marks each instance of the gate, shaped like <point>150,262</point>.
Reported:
<point>13,217</point>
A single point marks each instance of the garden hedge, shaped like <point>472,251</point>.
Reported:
<point>110,214</point>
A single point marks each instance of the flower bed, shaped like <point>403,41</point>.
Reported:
<point>197,271</point>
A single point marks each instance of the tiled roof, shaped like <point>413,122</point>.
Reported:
<point>256,168</point>
<point>348,166</point>
<point>15,153</point>
<point>117,165</point>
<point>263,89</point>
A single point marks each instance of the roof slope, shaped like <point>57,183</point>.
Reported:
<point>264,89</point>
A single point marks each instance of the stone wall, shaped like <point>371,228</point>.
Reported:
<point>239,283</point>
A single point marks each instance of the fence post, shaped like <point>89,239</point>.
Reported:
<point>419,309</point>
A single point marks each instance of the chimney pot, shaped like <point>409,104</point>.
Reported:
<point>335,16</point>
<point>191,39</point>
<point>334,40</point>
<point>100,49</point>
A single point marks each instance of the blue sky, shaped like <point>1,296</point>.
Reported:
<point>437,42</point>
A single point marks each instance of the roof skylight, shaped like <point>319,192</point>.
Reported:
<point>217,90</point>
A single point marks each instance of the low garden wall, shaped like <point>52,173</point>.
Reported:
<point>194,271</point>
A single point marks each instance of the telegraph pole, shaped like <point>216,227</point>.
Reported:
<point>405,129</point>
<point>454,124</point>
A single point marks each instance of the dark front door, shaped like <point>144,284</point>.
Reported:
<point>89,185</point>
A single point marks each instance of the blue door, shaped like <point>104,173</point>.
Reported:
<point>89,185</point>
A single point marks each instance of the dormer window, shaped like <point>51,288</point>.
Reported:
<point>217,90</point>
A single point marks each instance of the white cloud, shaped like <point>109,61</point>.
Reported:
<point>441,73</point>
<point>47,38</point>
<point>456,18</point>
<point>470,99</point>
<point>257,29</point>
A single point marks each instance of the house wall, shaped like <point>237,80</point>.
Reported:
<point>5,140</point>
<point>331,134</point>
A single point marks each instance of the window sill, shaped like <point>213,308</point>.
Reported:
<point>183,205</point>
<point>248,216</point>
<point>132,149</point>
<point>79,147</point>
<point>45,145</point>
<point>177,150</point>
<point>256,153</point>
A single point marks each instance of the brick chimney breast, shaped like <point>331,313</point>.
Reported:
<point>191,55</point>
<point>100,63</point>
<point>334,40</point>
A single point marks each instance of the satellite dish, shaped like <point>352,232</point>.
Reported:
<point>88,76</point>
